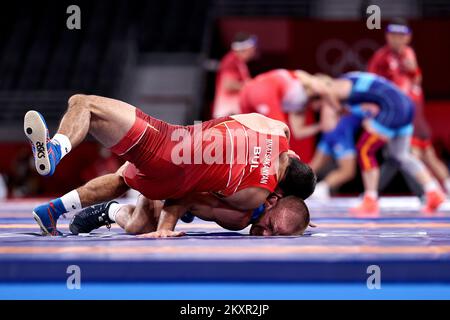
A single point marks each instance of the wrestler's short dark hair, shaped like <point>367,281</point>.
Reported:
<point>299,180</point>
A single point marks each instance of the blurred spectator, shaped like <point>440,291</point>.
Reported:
<point>25,182</point>
<point>232,74</point>
<point>397,62</point>
<point>104,164</point>
<point>3,188</point>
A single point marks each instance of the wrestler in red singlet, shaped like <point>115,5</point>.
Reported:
<point>234,157</point>
<point>226,102</point>
<point>397,62</point>
<point>392,65</point>
<point>272,93</point>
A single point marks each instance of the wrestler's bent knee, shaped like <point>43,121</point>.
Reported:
<point>77,99</point>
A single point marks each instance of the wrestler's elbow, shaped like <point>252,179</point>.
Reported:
<point>132,229</point>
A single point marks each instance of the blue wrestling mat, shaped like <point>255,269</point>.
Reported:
<point>331,261</point>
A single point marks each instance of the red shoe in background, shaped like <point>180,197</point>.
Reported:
<point>434,200</point>
<point>368,206</point>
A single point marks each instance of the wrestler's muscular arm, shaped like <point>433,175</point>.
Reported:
<point>170,214</point>
<point>328,120</point>
<point>247,199</point>
<point>210,208</point>
<point>316,86</point>
<point>203,205</point>
<point>168,218</point>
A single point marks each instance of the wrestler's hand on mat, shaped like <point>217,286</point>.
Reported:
<point>163,234</point>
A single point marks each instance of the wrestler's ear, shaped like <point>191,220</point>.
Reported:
<point>271,201</point>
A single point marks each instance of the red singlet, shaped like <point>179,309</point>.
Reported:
<point>389,64</point>
<point>221,156</point>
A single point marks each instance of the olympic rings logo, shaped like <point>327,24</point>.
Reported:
<point>335,57</point>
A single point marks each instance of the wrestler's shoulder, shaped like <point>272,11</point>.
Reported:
<point>258,122</point>
<point>256,117</point>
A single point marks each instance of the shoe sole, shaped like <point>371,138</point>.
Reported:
<point>73,229</point>
<point>36,131</point>
<point>41,225</point>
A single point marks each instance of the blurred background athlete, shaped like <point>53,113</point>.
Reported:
<point>397,62</point>
<point>233,73</point>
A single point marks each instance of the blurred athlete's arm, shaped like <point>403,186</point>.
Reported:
<point>329,118</point>
<point>411,65</point>
<point>232,85</point>
<point>299,129</point>
<point>206,206</point>
<point>318,86</point>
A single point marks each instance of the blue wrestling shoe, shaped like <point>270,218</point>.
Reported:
<point>47,154</point>
<point>46,216</point>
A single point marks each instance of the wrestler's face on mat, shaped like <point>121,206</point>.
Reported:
<point>282,217</point>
